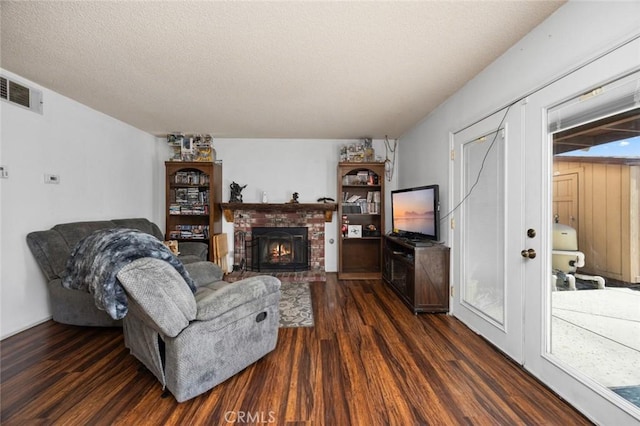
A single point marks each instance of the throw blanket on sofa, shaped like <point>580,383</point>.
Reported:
<point>96,260</point>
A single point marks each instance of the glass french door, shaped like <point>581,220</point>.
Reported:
<point>487,223</point>
<point>602,89</point>
<point>501,218</point>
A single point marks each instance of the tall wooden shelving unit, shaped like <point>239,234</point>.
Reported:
<point>360,221</point>
<point>192,199</point>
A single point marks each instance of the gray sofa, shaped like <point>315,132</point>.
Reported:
<point>192,342</point>
<point>53,247</point>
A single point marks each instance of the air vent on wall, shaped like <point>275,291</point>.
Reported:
<point>21,95</point>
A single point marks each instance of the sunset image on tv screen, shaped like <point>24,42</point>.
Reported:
<point>413,211</point>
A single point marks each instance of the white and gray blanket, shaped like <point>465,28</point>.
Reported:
<point>96,260</point>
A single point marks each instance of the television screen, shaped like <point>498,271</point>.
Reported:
<point>414,212</point>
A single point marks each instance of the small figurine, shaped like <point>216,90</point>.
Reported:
<point>236,192</point>
<point>294,199</point>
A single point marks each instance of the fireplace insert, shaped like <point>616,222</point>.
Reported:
<point>278,249</point>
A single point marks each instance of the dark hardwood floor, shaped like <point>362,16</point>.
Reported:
<point>367,361</point>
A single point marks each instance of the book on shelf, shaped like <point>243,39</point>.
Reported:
<point>191,178</point>
<point>188,209</point>
<point>373,208</point>
<point>198,232</point>
<point>363,177</point>
<point>193,195</point>
<point>188,196</point>
<point>181,195</point>
<point>351,208</point>
<point>373,196</point>
<point>361,207</point>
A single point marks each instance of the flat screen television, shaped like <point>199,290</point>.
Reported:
<point>415,213</point>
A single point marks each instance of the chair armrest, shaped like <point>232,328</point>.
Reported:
<point>194,248</point>
<point>204,273</point>
<point>213,302</point>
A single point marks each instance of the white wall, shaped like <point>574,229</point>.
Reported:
<point>107,170</point>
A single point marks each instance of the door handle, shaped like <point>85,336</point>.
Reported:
<point>529,254</point>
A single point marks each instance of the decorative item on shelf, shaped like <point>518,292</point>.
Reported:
<point>236,192</point>
<point>326,200</point>
<point>175,143</point>
<point>355,153</point>
<point>370,231</point>
<point>191,147</point>
<point>294,198</point>
<point>369,152</point>
<point>358,152</point>
<point>173,246</point>
<point>344,154</point>
<point>187,149</point>
<point>355,231</point>
<point>345,225</point>
<point>202,148</point>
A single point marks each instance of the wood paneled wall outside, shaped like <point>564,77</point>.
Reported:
<point>608,216</point>
<point>367,361</point>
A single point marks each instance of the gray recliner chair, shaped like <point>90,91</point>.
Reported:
<point>192,342</point>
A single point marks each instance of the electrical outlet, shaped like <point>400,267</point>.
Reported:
<point>4,173</point>
<point>51,178</point>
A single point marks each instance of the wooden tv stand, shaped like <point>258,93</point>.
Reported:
<point>419,274</point>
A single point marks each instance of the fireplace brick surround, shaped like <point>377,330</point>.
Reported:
<point>312,216</point>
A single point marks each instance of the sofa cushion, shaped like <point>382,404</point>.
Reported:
<point>141,224</point>
<point>74,232</point>
<point>52,248</point>
<point>50,251</point>
<point>204,273</point>
<point>220,298</point>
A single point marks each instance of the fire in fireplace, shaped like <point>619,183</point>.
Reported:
<point>278,249</point>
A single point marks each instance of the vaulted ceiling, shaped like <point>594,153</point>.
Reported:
<point>294,69</point>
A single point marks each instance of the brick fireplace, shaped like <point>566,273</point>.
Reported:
<point>246,216</point>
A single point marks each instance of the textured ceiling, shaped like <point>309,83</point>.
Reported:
<point>328,70</point>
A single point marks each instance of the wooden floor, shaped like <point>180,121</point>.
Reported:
<point>367,361</point>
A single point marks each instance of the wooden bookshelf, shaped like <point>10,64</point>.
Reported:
<point>193,196</point>
<point>360,220</point>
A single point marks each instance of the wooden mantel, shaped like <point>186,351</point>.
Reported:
<point>327,208</point>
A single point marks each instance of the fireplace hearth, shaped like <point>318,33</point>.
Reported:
<point>278,249</point>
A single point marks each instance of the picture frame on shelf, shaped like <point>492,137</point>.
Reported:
<point>354,231</point>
